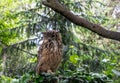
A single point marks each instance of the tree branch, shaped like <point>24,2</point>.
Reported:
<point>57,7</point>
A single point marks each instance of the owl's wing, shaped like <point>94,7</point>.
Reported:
<point>40,63</point>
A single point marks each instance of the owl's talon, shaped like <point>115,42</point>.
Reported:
<point>49,71</point>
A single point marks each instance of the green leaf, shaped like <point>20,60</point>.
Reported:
<point>74,59</point>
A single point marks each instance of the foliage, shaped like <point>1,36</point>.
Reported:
<point>87,56</point>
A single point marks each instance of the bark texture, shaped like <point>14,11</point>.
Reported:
<point>57,7</point>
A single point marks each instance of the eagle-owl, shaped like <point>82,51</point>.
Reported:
<point>50,52</point>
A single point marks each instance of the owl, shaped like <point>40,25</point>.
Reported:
<point>50,52</point>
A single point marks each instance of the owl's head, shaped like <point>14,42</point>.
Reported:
<point>52,34</point>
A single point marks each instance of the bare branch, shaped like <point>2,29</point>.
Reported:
<point>56,6</point>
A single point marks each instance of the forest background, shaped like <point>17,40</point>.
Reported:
<point>87,57</point>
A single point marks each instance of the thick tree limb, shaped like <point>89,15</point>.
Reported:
<point>57,7</point>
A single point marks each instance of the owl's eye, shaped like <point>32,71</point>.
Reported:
<point>53,35</point>
<point>49,40</point>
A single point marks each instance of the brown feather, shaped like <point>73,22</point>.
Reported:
<point>50,52</point>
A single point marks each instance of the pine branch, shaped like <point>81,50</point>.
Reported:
<point>22,42</point>
<point>18,46</point>
<point>25,51</point>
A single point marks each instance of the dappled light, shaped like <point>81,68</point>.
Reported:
<point>88,50</point>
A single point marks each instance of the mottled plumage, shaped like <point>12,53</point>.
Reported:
<point>50,52</point>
